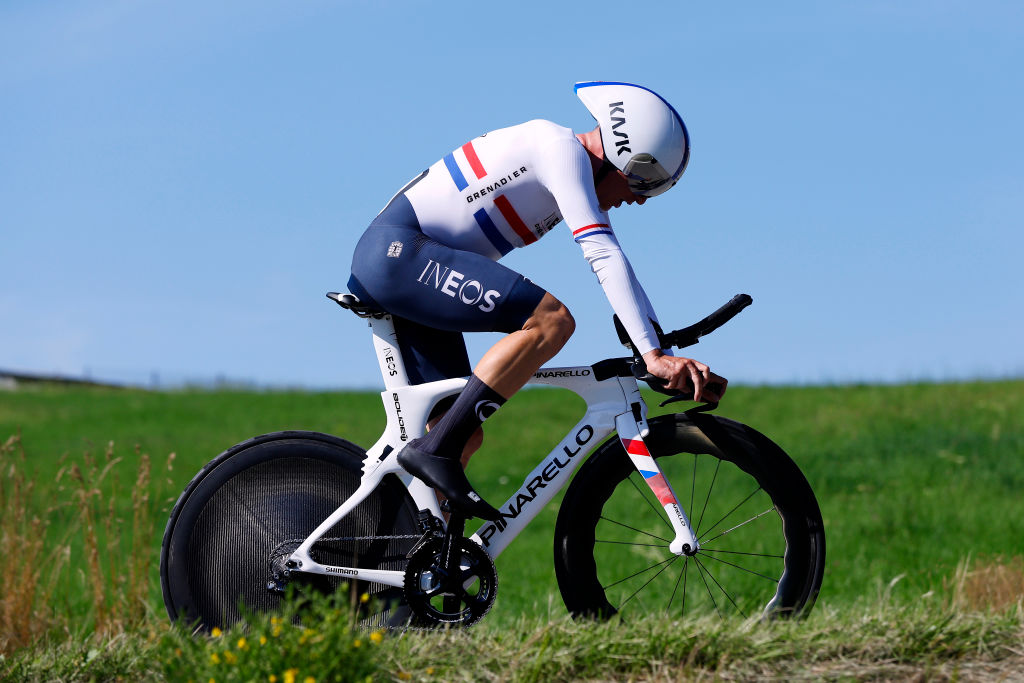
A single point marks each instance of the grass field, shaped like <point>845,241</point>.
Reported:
<point>919,487</point>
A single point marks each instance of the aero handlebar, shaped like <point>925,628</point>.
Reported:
<point>688,336</point>
<point>681,338</point>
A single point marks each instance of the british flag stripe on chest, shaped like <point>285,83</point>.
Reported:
<point>469,158</point>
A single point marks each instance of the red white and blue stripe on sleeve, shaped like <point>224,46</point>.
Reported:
<point>591,230</point>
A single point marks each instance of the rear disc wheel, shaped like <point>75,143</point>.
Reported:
<point>239,519</point>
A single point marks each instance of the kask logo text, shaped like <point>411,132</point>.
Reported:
<point>623,144</point>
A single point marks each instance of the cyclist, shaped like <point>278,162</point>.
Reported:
<point>430,259</point>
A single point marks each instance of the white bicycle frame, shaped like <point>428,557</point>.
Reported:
<point>614,404</point>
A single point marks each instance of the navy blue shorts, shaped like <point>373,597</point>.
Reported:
<point>435,292</point>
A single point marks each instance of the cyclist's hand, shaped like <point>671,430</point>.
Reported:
<point>686,375</point>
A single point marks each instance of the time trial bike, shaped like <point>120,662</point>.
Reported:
<point>688,513</point>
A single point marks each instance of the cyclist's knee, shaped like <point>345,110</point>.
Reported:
<point>553,321</point>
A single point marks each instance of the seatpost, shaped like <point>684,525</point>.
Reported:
<point>385,344</point>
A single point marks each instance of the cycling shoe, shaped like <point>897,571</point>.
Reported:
<point>447,476</point>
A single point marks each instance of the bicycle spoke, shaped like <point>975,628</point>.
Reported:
<point>737,507</point>
<point>724,592</point>
<point>714,478</point>
<point>749,571</point>
<point>645,533</point>
<point>644,545</point>
<point>667,564</point>
<point>675,588</point>
<point>744,523</point>
<point>693,483</point>
<point>686,567</point>
<point>739,552</point>
<point>646,569</point>
<point>701,570</point>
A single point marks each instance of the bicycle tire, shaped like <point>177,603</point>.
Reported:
<point>252,505</point>
<point>612,537</point>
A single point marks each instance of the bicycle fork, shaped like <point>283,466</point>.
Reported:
<point>632,428</point>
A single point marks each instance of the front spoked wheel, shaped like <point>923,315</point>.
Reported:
<point>762,543</point>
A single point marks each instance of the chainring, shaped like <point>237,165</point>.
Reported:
<point>439,600</point>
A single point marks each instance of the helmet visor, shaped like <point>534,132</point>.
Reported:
<point>647,177</point>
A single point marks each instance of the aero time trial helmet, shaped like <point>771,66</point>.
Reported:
<point>643,136</point>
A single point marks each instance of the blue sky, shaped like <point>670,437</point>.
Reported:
<point>180,182</point>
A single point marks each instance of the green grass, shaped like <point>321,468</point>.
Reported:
<point>912,480</point>
<point>881,642</point>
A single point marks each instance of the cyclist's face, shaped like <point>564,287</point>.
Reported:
<point>613,190</point>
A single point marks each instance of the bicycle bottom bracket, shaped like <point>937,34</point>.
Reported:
<point>460,597</point>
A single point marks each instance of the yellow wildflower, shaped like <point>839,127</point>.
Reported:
<point>275,620</point>
<point>215,658</point>
<point>242,643</point>
<point>216,632</point>
<point>430,671</point>
<point>289,675</point>
<point>376,637</point>
<point>365,597</point>
<point>263,641</point>
<point>404,675</point>
<point>230,657</point>
<point>357,643</point>
<point>272,678</point>
<point>308,679</point>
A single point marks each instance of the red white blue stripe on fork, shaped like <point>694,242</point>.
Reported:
<point>637,450</point>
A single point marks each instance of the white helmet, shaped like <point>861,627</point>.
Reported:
<point>643,136</point>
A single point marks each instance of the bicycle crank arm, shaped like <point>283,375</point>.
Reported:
<point>631,428</point>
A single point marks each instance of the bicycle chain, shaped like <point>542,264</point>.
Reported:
<point>425,551</point>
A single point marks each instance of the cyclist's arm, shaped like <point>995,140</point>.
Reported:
<point>618,280</point>
<point>634,309</point>
<point>566,172</point>
<point>568,175</point>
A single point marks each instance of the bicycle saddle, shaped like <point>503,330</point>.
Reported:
<point>352,303</point>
